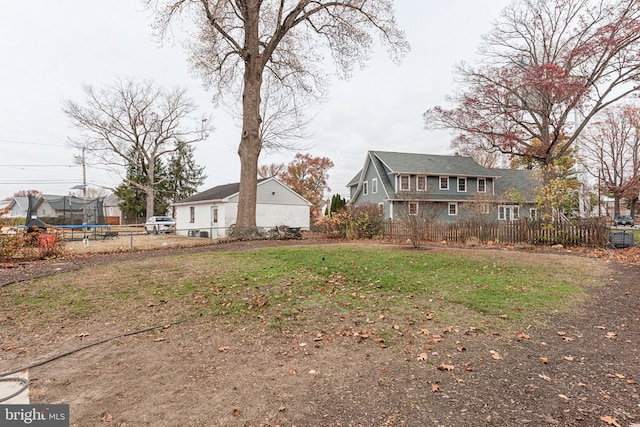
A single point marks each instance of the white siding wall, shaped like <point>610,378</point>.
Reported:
<point>202,220</point>
<point>276,205</point>
<point>272,215</point>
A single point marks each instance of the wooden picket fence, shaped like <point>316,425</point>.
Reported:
<point>592,232</point>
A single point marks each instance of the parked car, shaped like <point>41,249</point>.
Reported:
<point>624,220</point>
<point>160,224</point>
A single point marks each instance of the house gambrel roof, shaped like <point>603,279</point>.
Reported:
<point>393,163</point>
<point>223,193</point>
<point>515,179</point>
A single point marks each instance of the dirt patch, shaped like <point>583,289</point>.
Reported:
<point>579,369</point>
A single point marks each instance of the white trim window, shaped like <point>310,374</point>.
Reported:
<point>421,183</point>
<point>413,208</point>
<point>444,182</point>
<point>452,210</point>
<point>462,185</point>
<point>484,208</point>
<point>482,185</point>
<point>365,188</point>
<point>381,208</point>
<point>533,213</point>
<point>404,182</point>
<point>508,212</point>
<point>374,185</point>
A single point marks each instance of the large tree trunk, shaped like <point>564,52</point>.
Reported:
<point>150,196</point>
<point>250,144</point>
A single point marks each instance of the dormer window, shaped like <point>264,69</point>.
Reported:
<point>404,182</point>
<point>462,185</point>
<point>444,182</point>
<point>482,185</point>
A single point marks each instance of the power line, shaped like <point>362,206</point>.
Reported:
<point>13,141</point>
<point>38,166</point>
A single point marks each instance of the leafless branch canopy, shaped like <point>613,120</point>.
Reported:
<point>547,68</point>
<point>289,40</point>
<point>133,124</point>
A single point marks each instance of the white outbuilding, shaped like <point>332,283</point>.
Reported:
<point>211,212</point>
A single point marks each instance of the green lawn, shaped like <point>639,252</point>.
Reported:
<point>301,284</point>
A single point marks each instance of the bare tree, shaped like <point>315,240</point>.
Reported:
<point>612,152</point>
<point>417,212</point>
<point>546,69</point>
<point>134,125</point>
<point>238,43</point>
<point>273,169</point>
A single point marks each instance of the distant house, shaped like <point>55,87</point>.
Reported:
<point>18,207</point>
<point>452,187</point>
<point>213,211</point>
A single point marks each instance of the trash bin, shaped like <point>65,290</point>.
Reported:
<point>621,239</point>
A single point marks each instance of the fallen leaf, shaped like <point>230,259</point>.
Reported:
<point>568,358</point>
<point>495,355</point>
<point>611,335</point>
<point>422,356</point>
<point>522,336</point>
<point>544,360</point>
<point>378,340</point>
<point>236,412</point>
<point>445,367</point>
<point>562,333</point>
<point>159,339</point>
<point>619,375</point>
<point>435,387</point>
<point>563,396</point>
<point>293,371</point>
<point>611,421</point>
<point>544,377</point>
<point>424,332</point>
<point>223,348</point>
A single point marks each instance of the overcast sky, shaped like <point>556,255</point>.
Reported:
<point>50,48</point>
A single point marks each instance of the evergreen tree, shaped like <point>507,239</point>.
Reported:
<point>337,203</point>
<point>184,176</point>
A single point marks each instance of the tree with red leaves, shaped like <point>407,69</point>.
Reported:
<point>546,68</point>
<point>612,153</point>
<point>307,175</point>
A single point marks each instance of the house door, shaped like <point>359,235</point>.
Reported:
<point>214,221</point>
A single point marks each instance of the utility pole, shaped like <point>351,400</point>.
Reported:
<point>84,188</point>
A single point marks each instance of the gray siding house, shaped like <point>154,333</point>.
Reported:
<point>447,187</point>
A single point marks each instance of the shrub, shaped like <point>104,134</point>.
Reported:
<point>335,225</point>
<point>31,246</point>
<point>365,222</point>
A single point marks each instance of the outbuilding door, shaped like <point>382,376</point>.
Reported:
<point>214,221</point>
